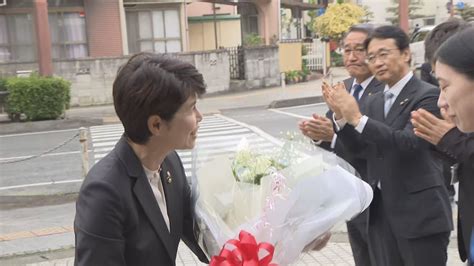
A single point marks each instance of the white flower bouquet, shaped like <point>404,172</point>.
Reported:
<point>288,197</point>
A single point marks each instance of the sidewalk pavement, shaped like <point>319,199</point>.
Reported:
<point>36,235</point>
<point>43,236</point>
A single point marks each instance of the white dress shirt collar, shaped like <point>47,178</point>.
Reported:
<point>364,85</point>
<point>397,88</point>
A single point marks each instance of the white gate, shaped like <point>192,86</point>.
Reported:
<point>314,56</point>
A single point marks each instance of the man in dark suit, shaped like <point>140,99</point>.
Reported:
<point>410,216</point>
<point>361,84</point>
<point>134,205</point>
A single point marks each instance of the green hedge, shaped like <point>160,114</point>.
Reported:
<point>336,59</point>
<point>3,84</point>
<point>38,98</point>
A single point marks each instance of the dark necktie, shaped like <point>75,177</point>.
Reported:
<point>357,89</point>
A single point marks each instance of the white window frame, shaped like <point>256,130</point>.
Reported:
<point>154,39</point>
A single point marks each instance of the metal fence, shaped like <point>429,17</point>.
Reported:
<point>236,61</point>
<point>314,54</point>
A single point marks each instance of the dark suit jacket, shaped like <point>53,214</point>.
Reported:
<point>414,196</point>
<point>425,74</point>
<point>460,147</point>
<point>358,163</point>
<point>119,222</point>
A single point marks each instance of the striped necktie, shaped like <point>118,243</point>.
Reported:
<point>388,101</point>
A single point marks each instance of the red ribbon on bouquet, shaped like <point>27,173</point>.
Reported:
<point>245,252</point>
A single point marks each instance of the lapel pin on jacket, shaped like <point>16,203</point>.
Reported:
<point>404,101</point>
<point>169,179</point>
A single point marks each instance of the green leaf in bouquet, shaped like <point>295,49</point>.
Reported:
<point>250,167</point>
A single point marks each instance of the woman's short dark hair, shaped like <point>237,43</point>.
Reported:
<point>150,84</point>
<point>440,34</point>
<point>458,52</point>
<point>389,32</point>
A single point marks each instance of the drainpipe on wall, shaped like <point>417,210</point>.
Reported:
<point>186,27</point>
<point>123,28</point>
<point>279,21</point>
<point>215,23</point>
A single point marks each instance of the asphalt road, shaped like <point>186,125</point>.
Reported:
<point>64,163</point>
<point>276,122</point>
<point>17,168</point>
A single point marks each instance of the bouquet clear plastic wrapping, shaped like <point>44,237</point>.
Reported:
<point>288,197</point>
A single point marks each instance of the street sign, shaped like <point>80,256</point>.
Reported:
<point>460,5</point>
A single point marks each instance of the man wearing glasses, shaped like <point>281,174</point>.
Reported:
<point>410,215</point>
<point>361,84</point>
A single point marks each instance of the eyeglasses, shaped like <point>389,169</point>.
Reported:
<point>357,51</point>
<point>382,55</point>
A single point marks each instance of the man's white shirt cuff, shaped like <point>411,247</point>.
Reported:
<point>333,142</point>
<point>362,122</point>
<point>339,123</point>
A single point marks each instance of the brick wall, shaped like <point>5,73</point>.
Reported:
<point>103,28</point>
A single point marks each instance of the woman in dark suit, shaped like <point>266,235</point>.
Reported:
<point>134,205</point>
<point>454,68</point>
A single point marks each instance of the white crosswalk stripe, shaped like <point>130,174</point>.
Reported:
<point>217,135</point>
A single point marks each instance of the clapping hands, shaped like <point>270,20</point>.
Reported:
<point>341,103</point>
<point>317,128</point>
<point>429,127</point>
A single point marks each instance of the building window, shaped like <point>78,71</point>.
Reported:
<point>156,31</point>
<point>248,19</point>
<point>429,21</point>
<point>17,38</point>
<point>68,35</point>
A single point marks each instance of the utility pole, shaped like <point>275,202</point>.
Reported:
<point>451,12</point>
<point>43,39</point>
<point>403,15</point>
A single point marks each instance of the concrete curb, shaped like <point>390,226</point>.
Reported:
<point>25,201</point>
<point>296,101</point>
<point>7,128</point>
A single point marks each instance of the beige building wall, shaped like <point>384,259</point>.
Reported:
<point>269,15</point>
<point>202,37</point>
<point>202,8</point>
<point>290,56</point>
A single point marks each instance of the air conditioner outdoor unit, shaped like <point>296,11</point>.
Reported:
<point>3,2</point>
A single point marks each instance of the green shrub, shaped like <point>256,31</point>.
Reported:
<point>252,40</point>
<point>292,76</point>
<point>3,84</point>
<point>336,59</point>
<point>38,98</point>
